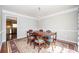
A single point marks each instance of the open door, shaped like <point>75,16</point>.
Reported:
<point>11,29</point>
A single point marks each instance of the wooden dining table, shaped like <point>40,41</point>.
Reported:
<point>40,40</point>
<point>42,34</point>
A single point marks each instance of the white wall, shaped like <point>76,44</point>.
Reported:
<point>0,25</point>
<point>24,23</point>
<point>64,24</point>
<point>78,30</point>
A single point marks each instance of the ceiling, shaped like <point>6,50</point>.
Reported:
<point>33,10</point>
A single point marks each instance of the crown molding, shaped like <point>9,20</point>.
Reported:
<point>62,12</point>
<point>17,14</point>
<point>35,18</point>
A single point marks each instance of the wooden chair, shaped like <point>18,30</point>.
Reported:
<point>54,38</point>
<point>39,42</point>
<point>50,38</point>
<point>30,37</point>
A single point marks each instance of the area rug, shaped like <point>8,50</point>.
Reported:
<point>21,46</point>
<point>14,48</point>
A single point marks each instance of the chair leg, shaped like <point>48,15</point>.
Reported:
<point>39,49</point>
<point>27,41</point>
<point>30,43</point>
<point>34,45</point>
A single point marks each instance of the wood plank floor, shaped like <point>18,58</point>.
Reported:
<point>4,48</point>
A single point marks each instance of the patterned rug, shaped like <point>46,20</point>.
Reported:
<point>21,46</point>
<point>14,47</point>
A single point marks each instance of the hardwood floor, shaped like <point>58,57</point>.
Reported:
<point>4,48</point>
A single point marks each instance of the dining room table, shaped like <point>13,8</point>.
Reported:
<point>40,38</point>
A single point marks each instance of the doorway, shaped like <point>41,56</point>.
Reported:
<point>11,29</point>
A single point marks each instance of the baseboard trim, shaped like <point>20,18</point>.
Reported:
<point>21,38</point>
<point>68,42</point>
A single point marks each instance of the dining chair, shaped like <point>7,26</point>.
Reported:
<point>30,37</point>
<point>39,42</point>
